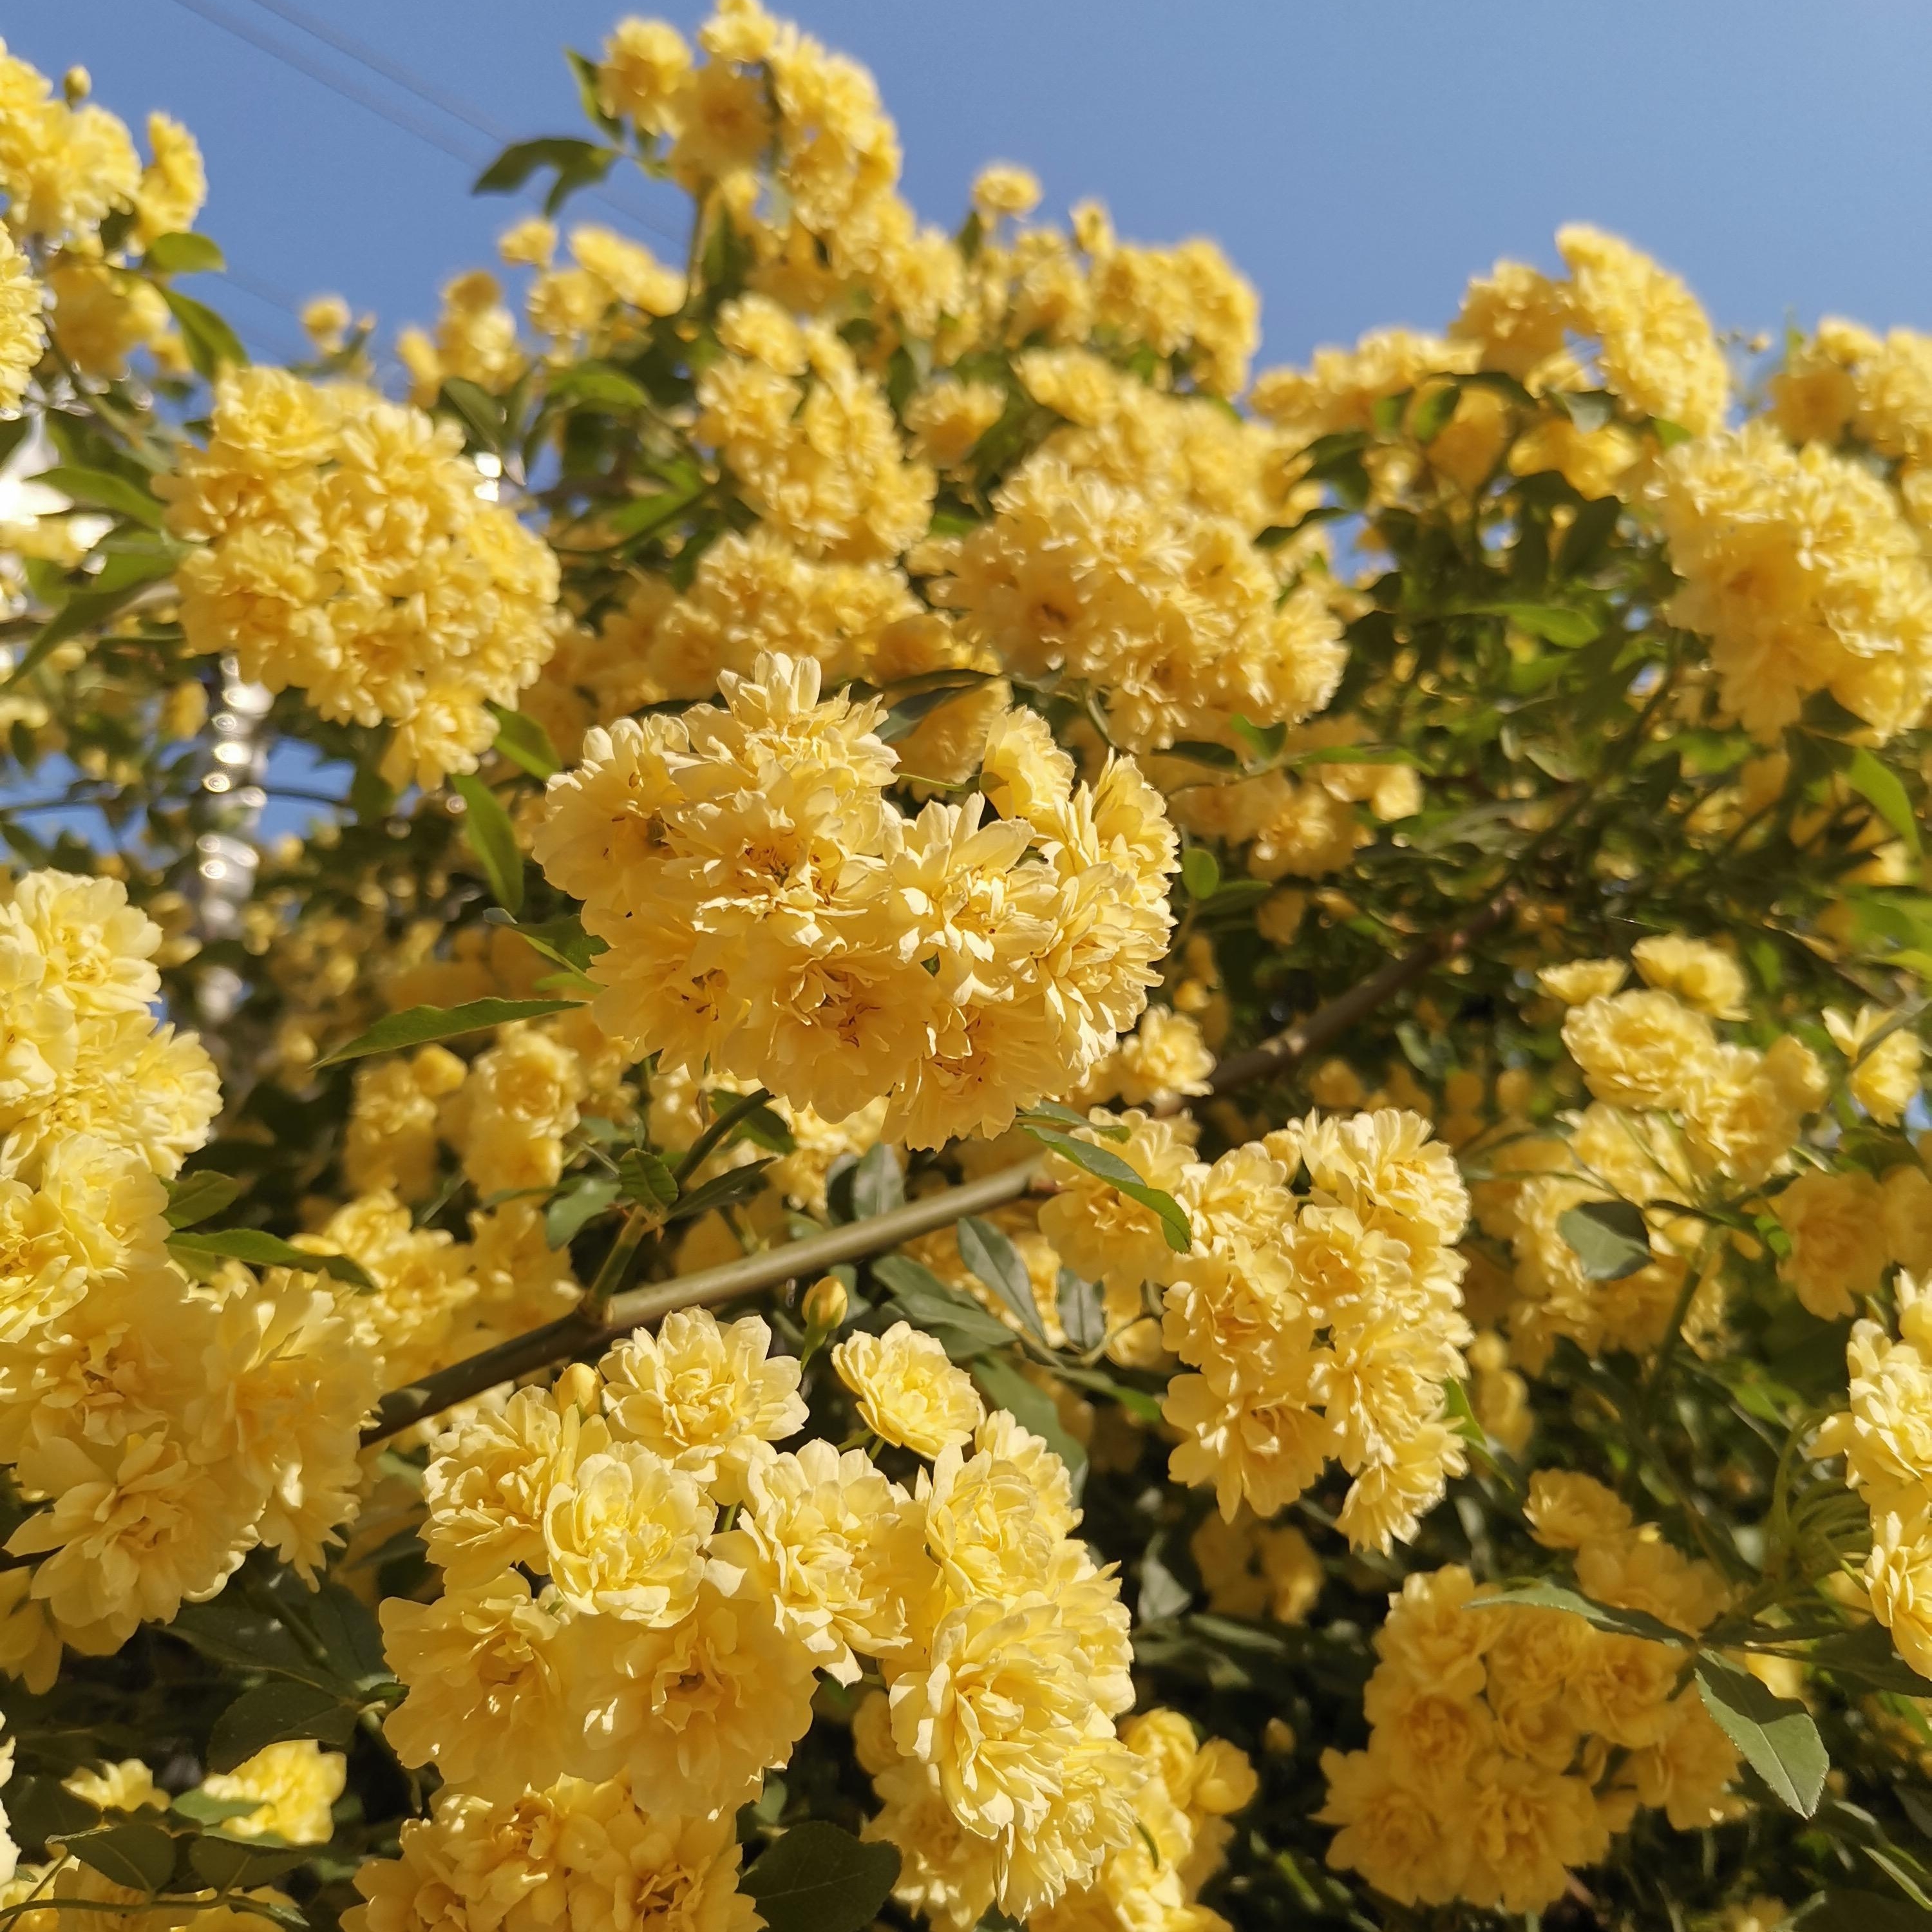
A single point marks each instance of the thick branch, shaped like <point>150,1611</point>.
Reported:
<point>582,1332</point>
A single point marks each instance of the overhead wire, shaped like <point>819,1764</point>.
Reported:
<point>457,107</point>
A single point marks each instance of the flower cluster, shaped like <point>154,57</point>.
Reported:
<point>344,547</point>
<point>1679,1117</point>
<point>768,911</point>
<point>1321,1325</point>
<point>68,170</point>
<point>670,1657</point>
<point>1508,1746</point>
<point>1885,1435</point>
<point>159,1428</point>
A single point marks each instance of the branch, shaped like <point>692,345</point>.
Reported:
<point>583,1332</point>
<point>1289,1047</point>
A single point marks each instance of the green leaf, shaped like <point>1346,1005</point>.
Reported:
<point>1588,409</point>
<point>763,1126</point>
<point>480,412</point>
<point>421,1026</point>
<point>819,1879</point>
<point>260,1250</point>
<point>227,1863</point>
<point>38,1809</point>
<point>1548,1596</point>
<point>1204,752</point>
<point>1867,1653</point>
<point>1777,1735</point>
<point>878,1185</point>
<point>1589,537</point>
<point>1052,1114</point>
<point>1083,1316</point>
<point>348,1631</point>
<point>522,159</point>
<point>1432,416</point>
<point>642,516</point>
<point>1553,623</point>
<point>1109,1167</point>
<point>726,1190</point>
<point>241,1637</point>
<point>140,1856</point>
<point>208,340</point>
<point>1261,744</point>
<point>996,1261</point>
<point>487,831</point>
<point>1163,1596</point>
<point>272,1713</point>
<point>957,1321</point>
<point>646,1178</point>
<point>1610,1238</point>
<point>521,740</point>
<point>129,558</point>
<point>195,1196</point>
<point>599,386</point>
<point>102,489</point>
<point>1200,872</point>
<point>585,70</point>
<point>563,939</point>
<point>576,1207</point>
<point>1033,1408</point>
<point>180,254</point>
<point>1882,789</point>
<point>85,610</point>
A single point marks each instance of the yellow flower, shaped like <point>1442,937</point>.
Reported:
<point>644,65</point>
<point>1394,1831</point>
<point>1577,981</point>
<point>487,1703</point>
<point>907,1390</point>
<point>126,1786</point>
<point>1638,1049</point>
<point>692,1714</point>
<point>1898,1575</point>
<point>1569,1511</point>
<point>292,1786</point>
<point>703,1395</point>
<point>623,1533</point>
<point>23,331</point>
<point>1885,1077</point>
<point>1837,1227</point>
<point>1703,976</point>
<point>995,1709</point>
<point>835,1546</point>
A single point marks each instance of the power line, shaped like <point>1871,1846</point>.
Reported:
<point>457,107</point>
<point>454,105</point>
<point>348,90</point>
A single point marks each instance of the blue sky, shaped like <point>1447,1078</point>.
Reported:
<point>1358,160</point>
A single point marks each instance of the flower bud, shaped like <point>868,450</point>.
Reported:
<point>77,84</point>
<point>824,1305</point>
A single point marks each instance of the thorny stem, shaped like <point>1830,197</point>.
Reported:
<point>588,1329</point>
